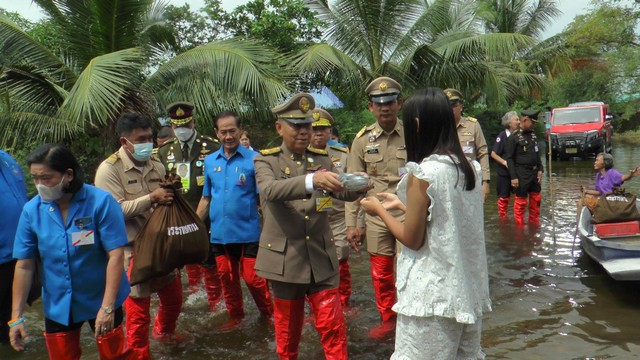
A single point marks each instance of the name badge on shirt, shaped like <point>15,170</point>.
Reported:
<point>324,203</point>
<point>83,237</point>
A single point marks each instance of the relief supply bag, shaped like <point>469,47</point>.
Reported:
<point>616,206</point>
<point>172,237</point>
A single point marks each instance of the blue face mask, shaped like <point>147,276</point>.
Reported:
<point>141,152</point>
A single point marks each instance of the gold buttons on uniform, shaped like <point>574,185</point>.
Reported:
<point>332,240</point>
<point>306,218</point>
<point>307,237</point>
<point>269,245</point>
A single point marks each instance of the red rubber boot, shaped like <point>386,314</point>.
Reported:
<point>63,345</point>
<point>288,316</point>
<point>164,327</point>
<point>194,275</point>
<point>213,286</point>
<point>519,208</point>
<point>330,323</point>
<point>230,279</point>
<point>112,346</point>
<point>385,290</point>
<point>137,324</point>
<point>534,207</point>
<point>503,207</point>
<point>345,283</point>
<point>258,287</point>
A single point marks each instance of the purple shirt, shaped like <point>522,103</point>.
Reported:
<point>611,178</point>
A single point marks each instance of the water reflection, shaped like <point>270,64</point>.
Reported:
<point>549,302</point>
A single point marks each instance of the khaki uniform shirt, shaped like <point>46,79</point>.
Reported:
<point>383,156</point>
<point>131,188</point>
<point>171,154</point>
<point>473,144</point>
<point>296,243</point>
<point>338,156</point>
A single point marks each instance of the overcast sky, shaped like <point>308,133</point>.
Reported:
<point>569,8</point>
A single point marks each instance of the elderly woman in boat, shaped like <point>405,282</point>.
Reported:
<point>608,177</point>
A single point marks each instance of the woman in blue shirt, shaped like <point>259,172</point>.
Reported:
<point>78,232</point>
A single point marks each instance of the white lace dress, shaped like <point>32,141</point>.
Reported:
<point>447,276</point>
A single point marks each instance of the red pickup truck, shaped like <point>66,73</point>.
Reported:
<point>581,129</point>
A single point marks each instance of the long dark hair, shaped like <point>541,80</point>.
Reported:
<point>59,158</point>
<point>430,128</point>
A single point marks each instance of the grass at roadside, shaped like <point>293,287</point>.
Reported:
<point>629,137</point>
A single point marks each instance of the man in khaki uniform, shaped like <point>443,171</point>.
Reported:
<point>379,150</point>
<point>471,138</point>
<point>133,177</point>
<point>296,250</point>
<point>184,155</point>
<point>322,129</point>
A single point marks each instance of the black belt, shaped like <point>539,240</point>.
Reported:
<point>528,167</point>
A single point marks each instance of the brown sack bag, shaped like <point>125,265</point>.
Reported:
<point>172,237</point>
<point>616,206</point>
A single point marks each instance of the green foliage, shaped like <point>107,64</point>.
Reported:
<point>284,24</point>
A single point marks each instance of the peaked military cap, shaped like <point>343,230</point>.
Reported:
<point>383,89</point>
<point>322,118</point>
<point>297,110</point>
<point>453,95</point>
<point>181,113</point>
<point>531,114</point>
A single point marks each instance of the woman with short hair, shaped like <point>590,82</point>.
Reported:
<point>78,232</point>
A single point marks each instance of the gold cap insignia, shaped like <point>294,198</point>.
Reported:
<point>304,104</point>
<point>449,94</point>
<point>383,86</point>
<point>316,116</point>
<point>179,112</point>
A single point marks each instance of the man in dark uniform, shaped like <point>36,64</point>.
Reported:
<point>185,154</point>
<point>296,250</point>
<point>525,168</point>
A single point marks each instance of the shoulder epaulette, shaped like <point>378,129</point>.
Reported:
<point>155,158</point>
<point>154,151</point>
<point>364,128</point>
<point>472,119</point>
<point>339,148</point>
<point>209,138</point>
<point>113,158</point>
<point>170,141</point>
<point>271,151</point>
<point>317,151</point>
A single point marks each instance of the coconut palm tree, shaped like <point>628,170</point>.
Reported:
<point>417,42</point>
<point>547,57</point>
<point>103,69</point>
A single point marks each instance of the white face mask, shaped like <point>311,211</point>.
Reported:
<point>52,193</point>
<point>183,133</point>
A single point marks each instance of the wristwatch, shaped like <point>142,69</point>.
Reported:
<point>107,309</point>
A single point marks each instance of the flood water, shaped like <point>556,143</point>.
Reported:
<point>550,301</point>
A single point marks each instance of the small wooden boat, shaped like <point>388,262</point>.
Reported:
<point>619,254</point>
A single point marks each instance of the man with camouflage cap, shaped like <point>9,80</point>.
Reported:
<point>296,251</point>
<point>379,150</point>
<point>471,138</point>
<point>186,152</point>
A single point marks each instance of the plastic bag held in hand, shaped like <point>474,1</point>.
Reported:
<point>353,182</point>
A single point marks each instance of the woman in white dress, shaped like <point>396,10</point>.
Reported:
<point>442,282</point>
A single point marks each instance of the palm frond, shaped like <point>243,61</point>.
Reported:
<point>229,74</point>
<point>98,96</point>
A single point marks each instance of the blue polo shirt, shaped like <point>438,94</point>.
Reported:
<point>231,184</point>
<point>14,196</point>
<point>73,276</point>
